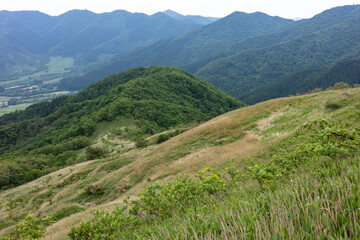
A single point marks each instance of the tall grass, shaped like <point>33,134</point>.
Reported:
<point>308,206</point>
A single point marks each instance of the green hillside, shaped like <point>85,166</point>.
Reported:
<point>285,168</point>
<point>134,104</point>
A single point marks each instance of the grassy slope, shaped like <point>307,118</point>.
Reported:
<point>227,138</point>
<point>157,98</point>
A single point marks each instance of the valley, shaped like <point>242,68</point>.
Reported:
<point>41,86</point>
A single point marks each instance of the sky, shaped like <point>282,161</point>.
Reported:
<point>215,8</point>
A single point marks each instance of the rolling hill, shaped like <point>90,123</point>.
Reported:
<point>136,103</point>
<point>280,165</point>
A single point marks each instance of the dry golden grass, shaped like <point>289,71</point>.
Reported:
<point>61,228</point>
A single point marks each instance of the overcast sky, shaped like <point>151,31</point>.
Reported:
<point>216,8</point>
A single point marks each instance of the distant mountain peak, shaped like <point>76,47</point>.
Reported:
<point>172,13</point>
<point>78,12</point>
<point>194,18</point>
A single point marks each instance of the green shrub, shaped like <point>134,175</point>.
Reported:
<point>105,226</point>
<point>31,227</point>
<point>141,142</point>
<point>339,85</point>
<point>162,138</point>
<point>33,174</point>
<point>95,153</point>
<point>65,158</point>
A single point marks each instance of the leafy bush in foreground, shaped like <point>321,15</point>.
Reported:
<point>31,227</point>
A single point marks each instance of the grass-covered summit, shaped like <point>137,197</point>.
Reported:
<point>133,104</point>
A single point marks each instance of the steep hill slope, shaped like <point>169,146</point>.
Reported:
<point>191,47</point>
<point>138,102</point>
<point>269,188</point>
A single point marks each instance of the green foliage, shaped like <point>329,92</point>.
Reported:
<point>162,138</point>
<point>105,226</point>
<point>317,139</point>
<point>211,181</point>
<point>141,142</point>
<point>155,202</point>
<point>166,136</point>
<point>31,227</point>
<point>339,85</point>
<point>95,153</point>
<point>14,170</point>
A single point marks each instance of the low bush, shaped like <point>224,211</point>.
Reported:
<point>95,153</point>
<point>32,227</point>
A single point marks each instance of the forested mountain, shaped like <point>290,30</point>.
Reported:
<point>154,99</point>
<point>206,42</point>
<point>28,38</point>
<point>313,43</point>
<point>307,80</point>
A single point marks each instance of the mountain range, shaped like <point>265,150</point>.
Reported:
<point>29,38</point>
<point>242,53</point>
<point>209,42</point>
